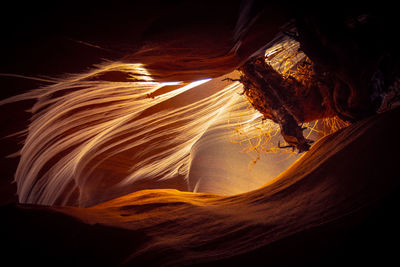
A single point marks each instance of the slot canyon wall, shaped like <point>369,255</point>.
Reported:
<point>339,200</point>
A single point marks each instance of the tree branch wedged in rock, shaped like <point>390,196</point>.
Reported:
<point>276,99</point>
<point>354,68</point>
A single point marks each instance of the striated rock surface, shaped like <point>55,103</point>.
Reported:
<point>325,209</point>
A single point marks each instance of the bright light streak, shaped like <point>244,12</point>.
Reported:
<point>97,139</point>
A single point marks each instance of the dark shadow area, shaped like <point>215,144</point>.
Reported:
<point>177,40</point>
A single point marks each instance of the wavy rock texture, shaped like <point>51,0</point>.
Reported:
<point>305,216</point>
<point>335,205</point>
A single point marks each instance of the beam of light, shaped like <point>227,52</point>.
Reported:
<point>91,140</point>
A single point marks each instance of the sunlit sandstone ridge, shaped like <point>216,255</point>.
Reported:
<point>92,139</point>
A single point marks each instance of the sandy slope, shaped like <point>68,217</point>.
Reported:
<point>334,204</point>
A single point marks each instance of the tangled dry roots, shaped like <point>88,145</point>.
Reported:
<point>289,100</point>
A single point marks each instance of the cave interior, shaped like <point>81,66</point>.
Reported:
<point>352,69</point>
